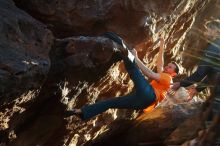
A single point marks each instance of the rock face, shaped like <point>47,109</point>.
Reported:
<point>182,134</point>
<point>195,42</point>
<point>84,68</point>
<point>85,52</point>
<point>25,44</point>
<point>149,128</point>
<point>86,17</point>
<point>68,18</point>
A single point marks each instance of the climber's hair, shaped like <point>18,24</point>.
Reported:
<point>177,69</point>
<point>213,24</point>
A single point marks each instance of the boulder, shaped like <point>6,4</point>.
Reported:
<point>25,44</point>
<point>24,51</point>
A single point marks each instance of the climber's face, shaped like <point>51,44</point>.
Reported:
<point>211,33</point>
<point>170,69</point>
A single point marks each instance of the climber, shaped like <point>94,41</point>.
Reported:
<point>147,95</point>
<point>208,69</point>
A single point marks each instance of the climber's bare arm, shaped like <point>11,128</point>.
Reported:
<point>160,59</point>
<point>146,71</point>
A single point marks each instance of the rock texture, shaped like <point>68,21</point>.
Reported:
<point>84,68</point>
<point>67,18</point>
<point>24,62</point>
<point>83,52</point>
<point>195,40</point>
<point>185,131</point>
<point>148,129</point>
<point>25,45</point>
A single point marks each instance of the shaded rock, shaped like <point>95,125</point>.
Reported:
<point>24,48</point>
<point>25,44</point>
<point>185,131</point>
<point>82,52</point>
<point>134,20</point>
<point>90,17</point>
<point>149,128</point>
